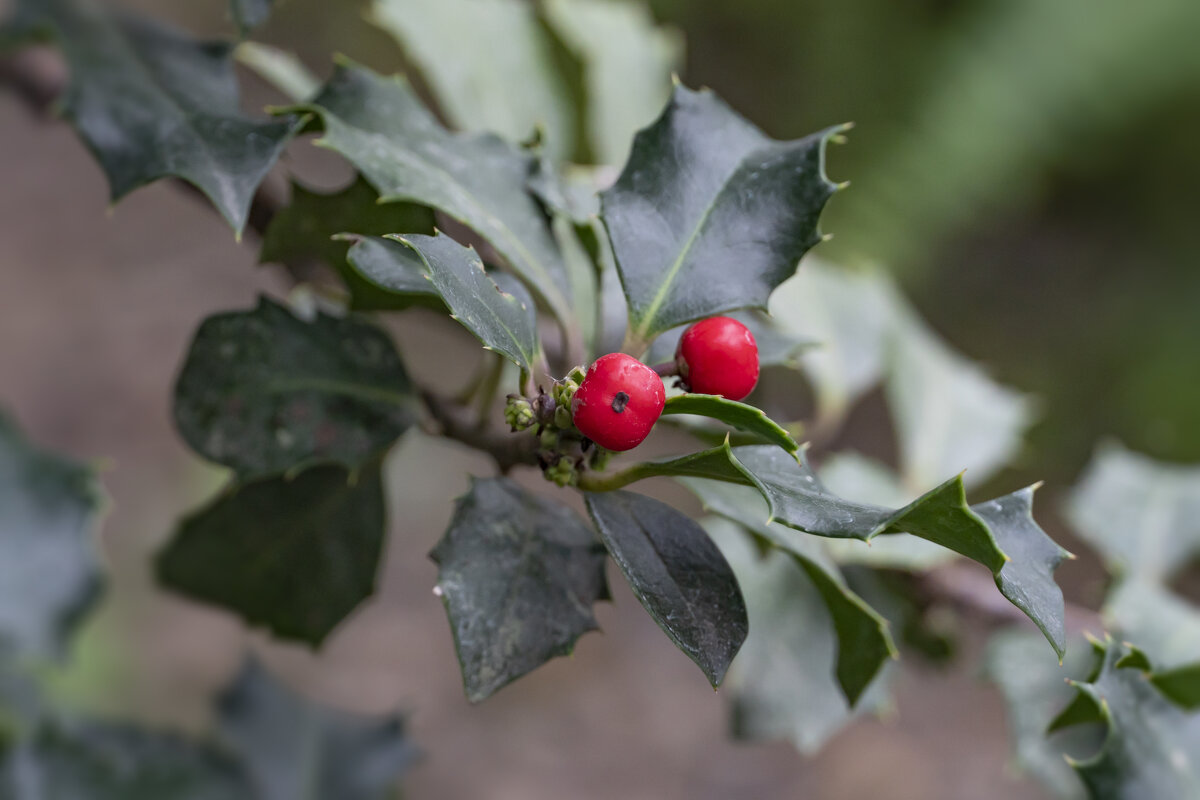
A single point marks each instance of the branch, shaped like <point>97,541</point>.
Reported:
<point>459,423</point>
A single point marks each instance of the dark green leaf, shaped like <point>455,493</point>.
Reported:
<point>490,64</point>
<point>49,569</point>
<point>709,214</point>
<point>382,128</point>
<point>152,103</point>
<point>518,575</point>
<point>1142,515</point>
<point>295,749</point>
<point>777,347</point>
<point>739,415</point>
<point>1152,748</point>
<point>1180,685</point>
<point>264,392</point>
<point>1034,688</point>
<point>1000,534</point>
<point>627,66</point>
<point>678,575</point>
<point>295,555</point>
<point>502,318</point>
<point>117,762</point>
<point>249,14</point>
<point>783,681</point>
<point>388,276</point>
<point>306,231</point>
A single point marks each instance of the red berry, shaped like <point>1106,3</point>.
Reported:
<point>718,355</point>
<point>618,402</point>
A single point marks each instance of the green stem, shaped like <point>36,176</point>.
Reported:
<point>591,482</point>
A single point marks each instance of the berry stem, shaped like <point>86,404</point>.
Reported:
<point>666,369</point>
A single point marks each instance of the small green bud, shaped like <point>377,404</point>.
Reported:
<point>549,440</point>
<point>518,413</point>
<point>600,457</point>
<point>562,417</point>
<point>564,390</point>
<point>562,472</point>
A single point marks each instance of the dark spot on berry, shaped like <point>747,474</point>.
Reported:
<point>619,402</point>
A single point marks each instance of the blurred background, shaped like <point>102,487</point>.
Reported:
<point>1026,170</point>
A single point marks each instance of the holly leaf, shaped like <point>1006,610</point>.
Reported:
<point>709,214</point>
<point>949,415</point>
<point>1000,534</point>
<point>738,415</point>
<point>310,227</point>
<point>1034,688</point>
<point>1151,748</point>
<point>569,190</point>
<point>263,392</point>
<point>381,127</point>
<point>1143,516</point>
<point>855,476</point>
<point>777,347</point>
<point>518,576</point>
<point>511,89</point>
<point>678,575</point>
<point>1155,619</point>
<point>118,762</point>
<point>386,275</point>
<point>502,318</point>
<point>49,569</point>
<point>783,683</point>
<point>151,102</point>
<point>294,555</point>
<point>249,14</point>
<point>294,748</point>
<point>627,62</point>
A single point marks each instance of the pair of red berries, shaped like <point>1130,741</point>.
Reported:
<point>620,398</point>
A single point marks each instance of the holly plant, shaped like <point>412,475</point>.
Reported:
<point>636,324</point>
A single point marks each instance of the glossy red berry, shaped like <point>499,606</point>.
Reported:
<point>718,355</point>
<point>618,402</point>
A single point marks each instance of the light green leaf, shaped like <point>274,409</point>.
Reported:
<point>49,568</point>
<point>783,683</point>
<point>1142,515</point>
<point>295,555</point>
<point>263,392</point>
<point>502,318</point>
<point>381,127</point>
<point>490,63</point>
<point>628,62</point>
<point>739,415</point>
<point>518,576</point>
<point>678,575</point>
<point>709,214</point>
<point>151,102</point>
<point>295,749</point>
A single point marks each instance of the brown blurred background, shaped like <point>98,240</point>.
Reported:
<point>1028,173</point>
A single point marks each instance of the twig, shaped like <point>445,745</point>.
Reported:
<point>458,422</point>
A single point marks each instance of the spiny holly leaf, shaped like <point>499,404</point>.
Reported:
<point>627,66</point>
<point>739,415</point>
<point>678,575</point>
<point>49,570</point>
<point>264,392</point>
<point>152,103</point>
<point>308,229</point>
<point>518,575</point>
<point>1151,748</point>
<point>502,317</point>
<point>382,128</point>
<point>249,14</point>
<point>864,642</point>
<point>385,275</point>
<point>777,347</point>
<point>949,415</point>
<point>1000,534</point>
<point>1142,515</point>
<point>1150,616</point>
<point>1034,689</point>
<point>849,474</point>
<point>117,762</point>
<point>295,555</point>
<point>783,681</point>
<point>295,749</point>
<point>709,214</point>
<point>490,63</point>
